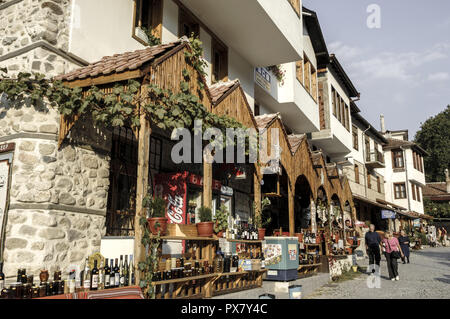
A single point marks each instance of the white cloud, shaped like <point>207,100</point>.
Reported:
<point>439,76</point>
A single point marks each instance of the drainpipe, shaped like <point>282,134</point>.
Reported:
<point>364,157</point>
<point>407,179</point>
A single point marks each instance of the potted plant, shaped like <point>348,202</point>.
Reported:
<point>157,221</point>
<point>221,221</point>
<point>263,219</point>
<point>206,227</point>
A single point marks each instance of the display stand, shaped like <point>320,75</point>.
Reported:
<point>226,283</point>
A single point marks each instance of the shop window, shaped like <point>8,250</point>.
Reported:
<point>399,190</point>
<point>355,138</point>
<point>397,159</point>
<point>219,62</point>
<point>147,17</point>
<point>187,24</point>
<point>155,153</point>
<point>356,174</point>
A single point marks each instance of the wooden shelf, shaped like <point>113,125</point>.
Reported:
<point>239,273</point>
<point>171,281</point>
<point>309,265</point>
<point>187,238</point>
<point>244,241</point>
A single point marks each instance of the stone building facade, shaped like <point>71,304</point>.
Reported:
<point>58,197</point>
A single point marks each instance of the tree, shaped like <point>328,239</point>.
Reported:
<point>437,209</point>
<point>434,137</point>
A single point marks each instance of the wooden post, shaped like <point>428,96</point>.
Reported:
<point>291,203</point>
<point>141,190</point>
<point>207,181</point>
<point>257,192</point>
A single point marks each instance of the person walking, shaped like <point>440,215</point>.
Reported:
<point>404,244</point>
<point>393,252</point>
<point>373,241</point>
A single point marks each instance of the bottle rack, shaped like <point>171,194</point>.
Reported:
<point>226,283</point>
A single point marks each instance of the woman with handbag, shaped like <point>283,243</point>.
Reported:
<point>392,253</point>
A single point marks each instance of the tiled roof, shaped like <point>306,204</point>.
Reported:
<point>396,143</point>
<point>436,191</point>
<point>118,63</point>
<point>296,141</point>
<point>264,120</point>
<point>217,90</point>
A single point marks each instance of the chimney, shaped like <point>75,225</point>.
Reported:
<point>447,180</point>
<point>382,124</point>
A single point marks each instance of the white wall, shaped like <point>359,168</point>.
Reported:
<point>101,28</point>
<point>170,21</point>
<point>240,69</point>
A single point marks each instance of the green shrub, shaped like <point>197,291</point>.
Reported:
<point>221,219</point>
<point>205,214</point>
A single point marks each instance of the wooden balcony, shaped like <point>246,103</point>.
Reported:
<point>375,159</point>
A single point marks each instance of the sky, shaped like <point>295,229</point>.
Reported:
<point>402,68</point>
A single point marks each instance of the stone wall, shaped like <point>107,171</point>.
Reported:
<point>28,21</point>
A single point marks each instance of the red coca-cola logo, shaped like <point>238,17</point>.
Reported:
<point>175,209</point>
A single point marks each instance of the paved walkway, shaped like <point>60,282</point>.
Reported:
<point>427,276</point>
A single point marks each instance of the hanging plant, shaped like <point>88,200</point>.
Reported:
<point>278,72</point>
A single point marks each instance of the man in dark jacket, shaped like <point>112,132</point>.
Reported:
<point>373,241</point>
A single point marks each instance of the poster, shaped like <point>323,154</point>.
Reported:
<point>272,254</point>
<point>292,249</point>
<point>173,188</point>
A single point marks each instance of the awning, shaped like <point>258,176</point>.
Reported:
<point>414,215</point>
<point>374,203</point>
<point>381,201</point>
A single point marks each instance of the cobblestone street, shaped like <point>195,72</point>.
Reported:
<point>427,276</point>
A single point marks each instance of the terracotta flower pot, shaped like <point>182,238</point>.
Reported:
<point>205,229</point>
<point>162,227</point>
<point>261,233</point>
<point>220,234</point>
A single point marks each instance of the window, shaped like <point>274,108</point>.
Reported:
<point>367,146</point>
<point>355,138</point>
<point>299,71</point>
<point>397,159</point>
<point>155,153</point>
<point>356,174</point>
<point>147,17</point>
<point>414,159</point>
<point>418,189</point>
<point>399,190</point>
<point>187,24</point>
<point>307,74</point>
<point>313,91</point>
<point>220,62</point>
<point>334,101</point>
<point>378,184</point>
<point>413,191</point>
<point>346,118</point>
<point>369,181</point>
<point>257,110</point>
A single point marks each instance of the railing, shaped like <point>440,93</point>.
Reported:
<point>375,156</point>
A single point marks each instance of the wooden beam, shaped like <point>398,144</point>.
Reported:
<point>141,186</point>
<point>257,192</point>
<point>207,181</point>
<point>291,203</point>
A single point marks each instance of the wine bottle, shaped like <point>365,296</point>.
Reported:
<point>101,276</point>
<point>94,277</point>
<point>112,275</point>
<point>2,277</point>
<point>131,271</point>
<point>116,273</point>
<point>125,272</point>
<point>86,278</point>
<point>121,268</point>
<point>107,274</point>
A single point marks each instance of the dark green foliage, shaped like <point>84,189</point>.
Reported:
<point>205,214</point>
<point>434,137</point>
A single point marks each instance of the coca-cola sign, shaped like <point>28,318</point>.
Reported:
<point>175,209</point>
<point>173,188</point>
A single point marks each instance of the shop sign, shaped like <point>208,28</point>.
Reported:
<point>387,214</point>
<point>416,222</point>
<point>198,181</point>
<point>225,190</point>
<point>172,187</point>
<point>263,78</point>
